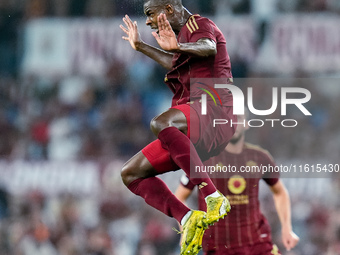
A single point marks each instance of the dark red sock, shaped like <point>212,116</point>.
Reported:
<point>184,154</point>
<point>156,193</point>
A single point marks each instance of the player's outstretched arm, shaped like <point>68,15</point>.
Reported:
<point>132,35</point>
<point>283,208</point>
<point>167,40</point>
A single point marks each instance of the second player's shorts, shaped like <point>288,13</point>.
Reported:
<point>208,140</point>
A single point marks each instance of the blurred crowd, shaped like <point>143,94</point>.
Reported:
<point>109,8</point>
<point>110,223</point>
<point>107,118</point>
<point>86,118</point>
<point>117,222</point>
<point>14,14</point>
<point>72,118</point>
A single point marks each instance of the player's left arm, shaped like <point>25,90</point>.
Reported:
<point>283,208</point>
<point>167,40</point>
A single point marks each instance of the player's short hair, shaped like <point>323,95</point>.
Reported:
<point>165,2</point>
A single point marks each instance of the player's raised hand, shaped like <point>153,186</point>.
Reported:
<point>166,37</point>
<point>131,31</point>
<point>289,239</point>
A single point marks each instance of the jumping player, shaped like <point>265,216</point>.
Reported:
<point>191,47</point>
<point>245,230</point>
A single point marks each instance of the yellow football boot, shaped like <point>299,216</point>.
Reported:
<point>217,208</point>
<point>193,231</point>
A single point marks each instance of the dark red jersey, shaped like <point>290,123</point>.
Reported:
<point>186,67</point>
<point>244,224</point>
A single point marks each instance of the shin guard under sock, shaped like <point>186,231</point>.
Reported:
<point>157,194</point>
<point>184,154</point>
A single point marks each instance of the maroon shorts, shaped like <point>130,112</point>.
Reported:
<point>257,249</point>
<point>209,141</point>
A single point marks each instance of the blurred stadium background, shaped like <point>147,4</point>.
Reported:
<point>76,103</point>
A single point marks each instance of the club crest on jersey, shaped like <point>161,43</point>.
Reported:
<point>237,184</point>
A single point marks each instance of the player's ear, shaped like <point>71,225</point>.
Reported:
<point>169,9</point>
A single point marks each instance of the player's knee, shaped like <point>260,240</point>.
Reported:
<point>159,123</point>
<point>127,174</point>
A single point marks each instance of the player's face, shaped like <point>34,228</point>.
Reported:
<point>152,10</point>
<point>240,129</point>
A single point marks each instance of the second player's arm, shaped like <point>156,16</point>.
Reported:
<point>182,193</point>
<point>283,208</point>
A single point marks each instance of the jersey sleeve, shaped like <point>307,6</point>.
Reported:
<point>199,28</point>
<point>185,181</point>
